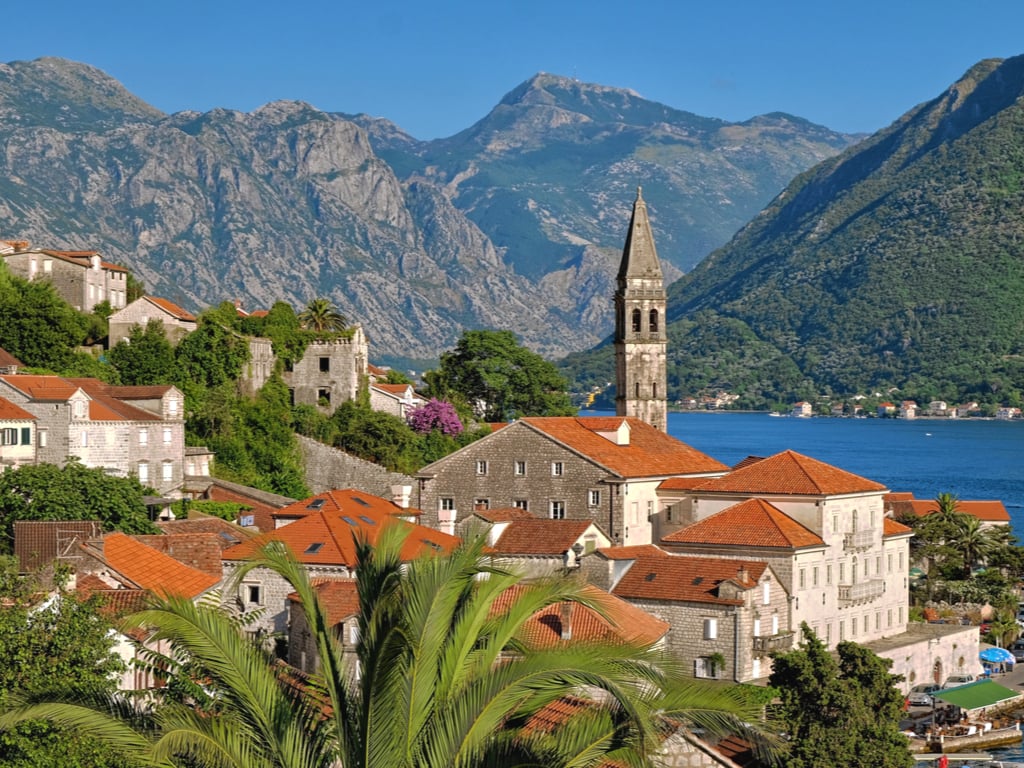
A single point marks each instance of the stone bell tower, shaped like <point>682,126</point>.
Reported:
<point>640,337</point>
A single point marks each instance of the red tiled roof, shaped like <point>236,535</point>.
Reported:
<point>154,570</point>
<point>327,536</point>
<point>259,313</point>
<point>891,528</point>
<point>81,258</point>
<point>11,412</point>
<point>504,514</point>
<point>139,391</point>
<point>350,501</point>
<point>625,623</point>
<point>681,483</point>
<point>228,534</point>
<point>686,579</point>
<point>7,359</point>
<point>991,511</point>
<point>650,451</point>
<point>539,537</point>
<point>752,523</point>
<point>339,599</point>
<point>398,390</point>
<point>633,552</point>
<point>104,404</point>
<point>170,308</point>
<point>376,370</point>
<point>792,474</point>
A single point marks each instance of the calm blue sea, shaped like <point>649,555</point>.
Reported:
<point>970,458</point>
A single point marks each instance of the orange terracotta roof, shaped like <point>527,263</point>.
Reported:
<point>632,552</point>
<point>339,599</point>
<point>154,570</point>
<point>650,451</point>
<point>891,528</point>
<point>504,514</point>
<point>398,390</point>
<point>259,313</point>
<point>81,258</point>
<point>752,523</point>
<point>228,534</point>
<point>556,714</point>
<point>376,370</point>
<point>349,501</point>
<point>170,308</point>
<point>7,359</point>
<point>539,537</point>
<point>105,404</point>
<point>792,474</point>
<point>11,412</point>
<point>40,387</point>
<point>686,579</point>
<point>327,536</point>
<point>625,623</point>
<point>139,391</point>
<point>746,462</point>
<point>991,511</point>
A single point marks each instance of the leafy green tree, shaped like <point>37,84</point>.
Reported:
<point>839,712</point>
<point>72,492</point>
<point>498,379</point>
<point>58,645</point>
<point>36,325</point>
<point>321,316</point>
<point>445,679</point>
<point>145,357</point>
<point>376,436</point>
<point>211,355</point>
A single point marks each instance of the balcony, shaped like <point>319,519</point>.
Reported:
<point>863,592</point>
<point>859,540</point>
<point>766,644</point>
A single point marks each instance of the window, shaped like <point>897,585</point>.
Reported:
<point>828,574</point>
<point>650,510</point>
<point>520,468</point>
<point>636,321</point>
<point>47,265</point>
<point>79,409</point>
<point>705,667</point>
<point>143,436</point>
<point>447,504</point>
<point>594,498</point>
<point>167,472</point>
<point>767,590</point>
<point>9,436</point>
<point>888,562</point>
<point>775,623</point>
<point>710,629</point>
<point>481,504</point>
<point>835,524</point>
<point>143,472</point>
<point>26,436</point>
<point>842,631</point>
<point>167,435</point>
<point>828,633</point>
<point>853,626</point>
<point>521,504</point>
<point>252,594</point>
<point>557,469</point>
<point>557,510</point>
<point>757,627</point>
<point>814,576</point>
<point>353,633</point>
<point>85,439</point>
<point>803,579</point>
<point>842,573</point>
<point>888,618</point>
<point>900,561</point>
<point>481,467</point>
<point>652,321</point>
<point>323,396</point>
<point>878,620</point>
<point>325,365</point>
<point>43,438</point>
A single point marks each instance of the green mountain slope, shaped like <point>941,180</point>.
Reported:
<point>899,263</point>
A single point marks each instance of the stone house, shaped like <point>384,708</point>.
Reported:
<point>17,436</point>
<point>396,399</point>
<point>726,616</point>
<point>81,278</point>
<point>126,430</point>
<point>330,372</point>
<point>542,547</point>
<point>908,409</point>
<point>803,409</point>
<point>603,469</point>
<point>177,322</point>
<point>321,532</point>
<point>340,602</point>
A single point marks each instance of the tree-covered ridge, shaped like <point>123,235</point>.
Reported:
<point>898,263</point>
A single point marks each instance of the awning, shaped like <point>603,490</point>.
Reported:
<point>976,695</point>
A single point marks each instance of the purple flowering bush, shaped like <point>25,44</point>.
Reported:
<point>436,414</point>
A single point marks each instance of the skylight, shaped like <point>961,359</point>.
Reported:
<point>650,576</point>
<point>315,504</point>
<point>349,520</point>
<point>313,548</point>
<point>367,520</point>
<point>357,500</point>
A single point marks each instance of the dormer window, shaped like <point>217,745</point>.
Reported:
<point>172,406</point>
<point>79,409</point>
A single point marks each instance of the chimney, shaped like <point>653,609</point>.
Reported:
<point>567,609</point>
<point>400,495</point>
<point>742,575</point>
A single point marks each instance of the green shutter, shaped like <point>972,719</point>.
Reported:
<point>26,435</point>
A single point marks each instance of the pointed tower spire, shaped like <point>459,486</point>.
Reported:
<point>640,336</point>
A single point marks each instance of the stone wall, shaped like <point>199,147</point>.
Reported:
<point>329,468</point>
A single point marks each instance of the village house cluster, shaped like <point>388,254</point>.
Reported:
<point>720,565</point>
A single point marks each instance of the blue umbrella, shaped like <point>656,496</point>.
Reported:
<point>996,656</point>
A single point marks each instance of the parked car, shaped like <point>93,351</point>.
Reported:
<point>1017,649</point>
<point>954,680</point>
<point>921,695</point>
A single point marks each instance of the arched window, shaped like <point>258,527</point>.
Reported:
<point>654,321</point>
<point>636,321</point>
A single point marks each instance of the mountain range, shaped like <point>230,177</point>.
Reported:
<point>895,267</point>
<point>516,222</point>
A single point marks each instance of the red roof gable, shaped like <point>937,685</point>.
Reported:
<point>170,308</point>
<point>327,536</point>
<point>154,570</point>
<point>11,412</point>
<point>752,523</point>
<point>539,537</point>
<point>7,359</point>
<point>339,599</point>
<point>650,451</point>
<point>689,579</point>
<point>349,501</point>
<point>790,474</point>
<point>504,514</point>
<point>105,404</point>
<point>891,528</point>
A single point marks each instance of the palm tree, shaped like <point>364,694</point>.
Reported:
<point>321,316</point>
<point>444,679</point>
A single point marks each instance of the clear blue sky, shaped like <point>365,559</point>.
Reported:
<point>434,67</point>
